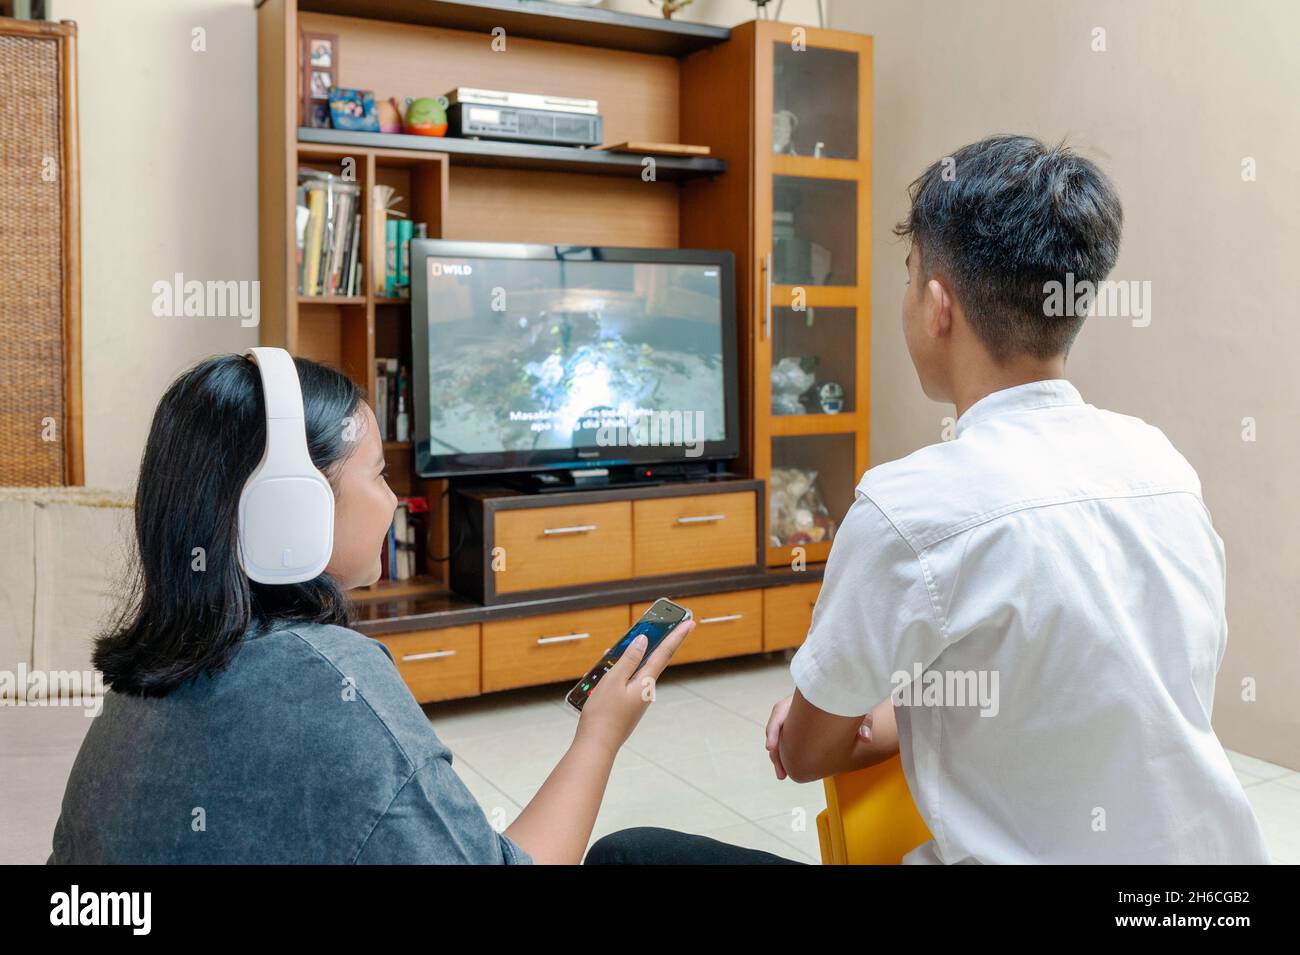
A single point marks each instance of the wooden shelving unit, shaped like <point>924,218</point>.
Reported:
<point>464,189</point>
<point>657,81</point>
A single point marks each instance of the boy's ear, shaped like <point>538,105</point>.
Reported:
<point>938,309</point>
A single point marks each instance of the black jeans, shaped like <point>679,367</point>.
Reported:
<point>647,845</point>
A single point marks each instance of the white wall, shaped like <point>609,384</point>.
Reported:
<point>168,184</point>
<point>1184,91</point>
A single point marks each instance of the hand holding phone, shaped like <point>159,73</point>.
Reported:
<point>616,695</point>
<point>656,623</point>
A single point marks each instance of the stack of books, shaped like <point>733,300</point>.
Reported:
<point>392,400</point>
<point>404,550</point>
<point>398,234</point>
<point>328,229</point>
<point>390,243</point>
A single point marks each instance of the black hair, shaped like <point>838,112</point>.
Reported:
<point>187,611</point>
<point>999,219</point>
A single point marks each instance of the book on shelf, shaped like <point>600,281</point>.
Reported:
<point>392,400</point>
<point>397,273</point>
<point>390,258</point>
<point>404,232</point>
<point>382,198</point>
<point>328,235</point>
<point>404,546</point>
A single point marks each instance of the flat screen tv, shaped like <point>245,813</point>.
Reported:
<point>536,357</point>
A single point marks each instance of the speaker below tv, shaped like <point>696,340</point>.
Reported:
<point>561,366</point>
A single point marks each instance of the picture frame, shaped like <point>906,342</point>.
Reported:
<point>318,63</point>
<point>353,109</point>
<point>320,53</point>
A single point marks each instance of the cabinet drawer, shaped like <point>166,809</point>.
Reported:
<point>698,532</point>
<point>787,614</point>
<point>726,625</point>
<point>562,546</point>
<point>550,647</point>
<point>437,664</point>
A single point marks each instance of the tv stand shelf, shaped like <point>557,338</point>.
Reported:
<point>512,544</point>
<point>447,647</point>
<point>444,608</point>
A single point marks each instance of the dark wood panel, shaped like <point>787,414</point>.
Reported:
<point>538,21</point>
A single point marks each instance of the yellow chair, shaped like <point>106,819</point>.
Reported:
<point>870,818</point>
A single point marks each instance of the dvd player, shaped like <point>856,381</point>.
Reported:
<point>514,124</point>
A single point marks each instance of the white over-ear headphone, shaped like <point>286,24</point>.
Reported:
<point>286,511</point>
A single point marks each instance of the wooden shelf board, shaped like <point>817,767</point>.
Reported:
<point>795,425</point>
<point>536,20</point>
<point>813,553</point>
<point>482,152</point>
<point>414,588</point>
<point>331,300</point>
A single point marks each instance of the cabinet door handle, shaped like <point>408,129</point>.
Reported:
<point>702,519</point>
<point>575,529</point>
<point>722,619</point>
<point>566,638</point>
<point>767,296</point>
<point>434,655</point>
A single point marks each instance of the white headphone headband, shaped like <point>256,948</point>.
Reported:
<point>281,390</point>
<point>286,430</point>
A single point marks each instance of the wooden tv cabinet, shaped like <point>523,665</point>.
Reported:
<point>447,647</point>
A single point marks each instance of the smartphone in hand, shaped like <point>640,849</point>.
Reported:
<point>662,617</point>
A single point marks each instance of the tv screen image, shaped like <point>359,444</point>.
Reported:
<point>552,361</point>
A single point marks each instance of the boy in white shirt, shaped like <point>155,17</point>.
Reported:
<point>1031,614</point>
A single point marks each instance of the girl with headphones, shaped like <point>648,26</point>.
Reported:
<point>245,721</point>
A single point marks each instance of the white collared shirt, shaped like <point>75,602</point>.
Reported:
<point>1044,598</point>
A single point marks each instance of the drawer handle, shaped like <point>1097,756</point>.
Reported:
<point>567,638</point>
<point>702,519</point>
<point>575,529</point>
<point>434,655</point>
<point>723,619</point>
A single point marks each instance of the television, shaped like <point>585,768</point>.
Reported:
<point>535,358</point>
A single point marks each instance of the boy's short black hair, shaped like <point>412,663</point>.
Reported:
<point>1010,215</point>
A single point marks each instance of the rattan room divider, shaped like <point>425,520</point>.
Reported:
<point>40,256</point>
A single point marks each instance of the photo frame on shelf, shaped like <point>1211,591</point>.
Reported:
<point>318,61</point>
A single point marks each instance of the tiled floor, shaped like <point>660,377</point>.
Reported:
<point>695,763</point>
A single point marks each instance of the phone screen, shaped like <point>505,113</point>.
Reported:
<point>657,622</point>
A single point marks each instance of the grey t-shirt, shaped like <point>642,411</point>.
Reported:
<point>309,748</point>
